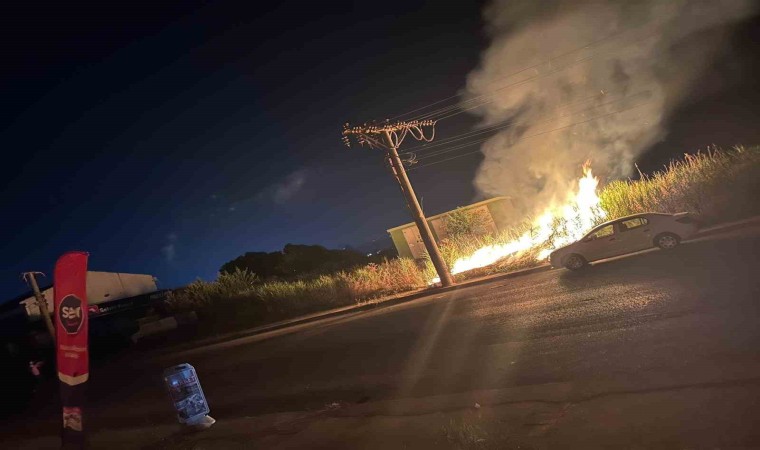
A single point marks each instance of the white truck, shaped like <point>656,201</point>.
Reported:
<point>102,287</point>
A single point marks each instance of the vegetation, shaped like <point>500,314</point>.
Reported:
<point>455,248</point>
<point>716,186</point>
<point>296,261</point>
<point>466,222</point>
<point>240,298</point>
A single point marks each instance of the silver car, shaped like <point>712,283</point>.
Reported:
<point>625,235</point>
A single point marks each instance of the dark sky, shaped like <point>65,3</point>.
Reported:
<point>168,138</point>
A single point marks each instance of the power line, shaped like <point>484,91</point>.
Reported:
<point>490,128</point>
<point>448,150</point>
<point>517,83</point>
<point>533,135</point>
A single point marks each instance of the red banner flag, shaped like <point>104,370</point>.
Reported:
<point>72,357</point>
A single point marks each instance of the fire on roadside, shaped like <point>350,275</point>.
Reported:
<point>555,227</point>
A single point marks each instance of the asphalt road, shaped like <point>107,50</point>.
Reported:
<point>682,318</point>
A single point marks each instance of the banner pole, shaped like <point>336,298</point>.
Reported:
<point>72,346</point>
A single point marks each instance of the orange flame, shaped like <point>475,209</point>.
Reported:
<point>555,227</point>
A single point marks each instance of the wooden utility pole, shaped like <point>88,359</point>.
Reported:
<point>368,134</point>
<point>41,301</point>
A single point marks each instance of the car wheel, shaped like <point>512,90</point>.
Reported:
<point>575,262</point>
<point>666,241</point>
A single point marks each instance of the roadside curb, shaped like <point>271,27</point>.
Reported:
<point>717,229</point>
<point>724,228</point>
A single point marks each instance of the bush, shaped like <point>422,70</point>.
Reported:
<point>466,222</point>
<point>296,261</point>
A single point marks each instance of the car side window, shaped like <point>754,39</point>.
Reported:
<point>607,230</point>
<point>630,224</point>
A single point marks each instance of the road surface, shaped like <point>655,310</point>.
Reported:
<point>669,340</point>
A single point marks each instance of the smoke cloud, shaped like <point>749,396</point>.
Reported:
<point>602,78</point>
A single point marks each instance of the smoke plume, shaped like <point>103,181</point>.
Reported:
<point>586,80</point>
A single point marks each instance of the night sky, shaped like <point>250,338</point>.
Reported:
<point>168,138</point>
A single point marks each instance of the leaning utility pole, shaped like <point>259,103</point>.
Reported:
<point>390,136</point>
<point>41,301</point>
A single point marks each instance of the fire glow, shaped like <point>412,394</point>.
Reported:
<point>555,227</point>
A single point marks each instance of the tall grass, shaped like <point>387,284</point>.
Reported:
<point>715,185</point>
<point>239,298</point>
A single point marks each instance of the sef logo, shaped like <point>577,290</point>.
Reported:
<point>69,313</point>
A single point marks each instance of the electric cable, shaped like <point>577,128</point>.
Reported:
<point>528,137</point>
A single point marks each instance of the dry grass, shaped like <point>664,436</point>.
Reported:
<point>238,298</point>
<point>715,185</point>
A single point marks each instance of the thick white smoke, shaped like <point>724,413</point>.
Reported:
<point>588,60</point>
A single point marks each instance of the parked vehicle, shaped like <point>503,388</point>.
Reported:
<point>626,235</point>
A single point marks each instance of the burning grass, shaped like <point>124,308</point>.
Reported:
<point>715,185</point>
<point>533,240</point>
